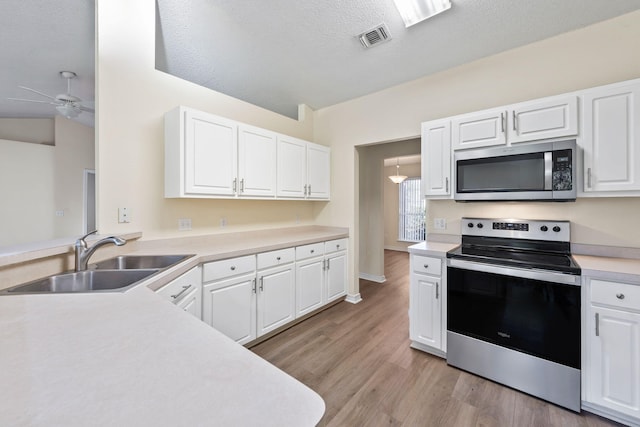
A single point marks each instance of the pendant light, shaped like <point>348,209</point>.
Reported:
<point>397,178</point>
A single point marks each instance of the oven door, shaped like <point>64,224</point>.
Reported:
<point>530,311</point>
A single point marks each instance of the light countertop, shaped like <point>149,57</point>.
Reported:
<point>134,358</point>
<point>617,269</point>
<point>432,248</point>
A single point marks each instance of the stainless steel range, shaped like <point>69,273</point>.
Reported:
<point>513,312</point>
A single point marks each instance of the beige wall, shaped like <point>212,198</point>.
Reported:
<point>596,55</point>
<point>37,180</point>
<point>392,205</point>
<point>37,131</point>
<point>132,97</point>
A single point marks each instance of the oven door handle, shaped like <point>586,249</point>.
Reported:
<point>545,276</point>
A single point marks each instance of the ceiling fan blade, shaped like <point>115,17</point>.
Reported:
<point>87,109</point>
<point>33,100</point>
<point>38,92</point>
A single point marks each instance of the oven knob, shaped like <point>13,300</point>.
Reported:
<point>556,229</point>
<point>544,228</point>
<point>480,225</point>
<point>470,225</point>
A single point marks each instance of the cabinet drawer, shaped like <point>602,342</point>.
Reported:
<point>428,265</point>
<point>275,258</point>
<point>176,290</point>
<point>615,294</point>
<point>335,245</point>
<point>228,268</point>
<point>308,251</point>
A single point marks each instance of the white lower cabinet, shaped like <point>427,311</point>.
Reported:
<point>275,290</point>
<point>427,305</point>
<point>250,296</point>
<point>321,274</point>
<point>186,292</point>
<point>611,376</point>
<point>229,297</point>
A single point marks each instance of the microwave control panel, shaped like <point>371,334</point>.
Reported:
<point>562,171</point>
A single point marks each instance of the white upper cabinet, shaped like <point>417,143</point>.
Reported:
<point>610,142</point>
<point>207,156</point>
<point>481,129</point>
<point>527,121</point>
<point>256,162</point>
<point>552,117</point>
<point>292,167</point>
<point>200,154</point>
<point>318,171</point>
<point>303,169</point>
<point>436,159</point>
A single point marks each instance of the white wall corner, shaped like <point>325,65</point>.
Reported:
<point>353,298</point>
<point>304,111</point>
<point>373,277</point>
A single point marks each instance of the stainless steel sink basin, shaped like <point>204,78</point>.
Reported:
<point>131,262</point>
<point>84,281</point>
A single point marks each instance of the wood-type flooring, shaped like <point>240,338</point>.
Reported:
<point>357,357</point>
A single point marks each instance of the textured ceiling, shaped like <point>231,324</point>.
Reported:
<point>281,53</point>
<point>38,39</point>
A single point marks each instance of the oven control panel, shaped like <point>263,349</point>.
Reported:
<point>559,231</point>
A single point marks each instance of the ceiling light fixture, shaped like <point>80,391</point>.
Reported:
<point>69,110</point>
<point>397,178</point>
<point>414,11</point>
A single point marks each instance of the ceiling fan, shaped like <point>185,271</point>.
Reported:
<point>67,105</point>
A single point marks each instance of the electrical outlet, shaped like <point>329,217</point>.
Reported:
<point>124,215</point>
<point>60,213</point>
<point>223,222</point>
<point>439,223</point>
<point>184,224</point>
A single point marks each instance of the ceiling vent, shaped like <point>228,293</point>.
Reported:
<point>375,36</point>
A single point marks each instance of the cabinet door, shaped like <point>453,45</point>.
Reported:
<point>192,303</point>
<point>309,280</point>
<point>276,298</point>
<point>256,162</point>
<point>481,129</point>
<point>436,159</point>
<point>614,367</point>
<point>425,310</point>
<point>318,171</point>
<point>230,307</point>
<point>211,146</point>
<point>292,168</point>
<point>610,142</point>
<point>336,275</point>
<point>547,118</point>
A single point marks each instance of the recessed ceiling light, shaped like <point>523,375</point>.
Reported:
<point>414,11</point>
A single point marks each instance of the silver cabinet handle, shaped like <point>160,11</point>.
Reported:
<point>620,296</point>
<point>446,184</point>
<point>261,283</point>
<point>253,287</point>
<point>277,258</point>
<point>589,177</point>
<point>597,324</point>
<point>328,264</point>
<point>233,267</point>
<point>184,289</point>
<point>242,185</point>
<point>337,246</point>
<point>515,127</point>
<point>426,266</point>
<point>437,290</point>
<point>305,189</point>
<point>235,185</point>
<point>503,117</point>
<point>309,190</point>
<point>313,250</point>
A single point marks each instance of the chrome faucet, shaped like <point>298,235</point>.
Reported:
<point>83,252</point>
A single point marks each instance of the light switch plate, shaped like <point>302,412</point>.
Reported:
<point>439,223</point>
<point>184,224</point>
<point>124,215</point>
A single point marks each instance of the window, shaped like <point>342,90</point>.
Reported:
<point>411,222</point>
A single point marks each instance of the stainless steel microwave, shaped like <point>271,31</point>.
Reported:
<point>535,171</point>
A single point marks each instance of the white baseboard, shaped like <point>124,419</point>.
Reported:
<point>373,277</point>
<point>353,299</point>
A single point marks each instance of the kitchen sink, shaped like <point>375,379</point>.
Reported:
<point>84,281</point>
<point>134,262</point>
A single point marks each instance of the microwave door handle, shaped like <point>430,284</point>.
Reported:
<point>548,170</point>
